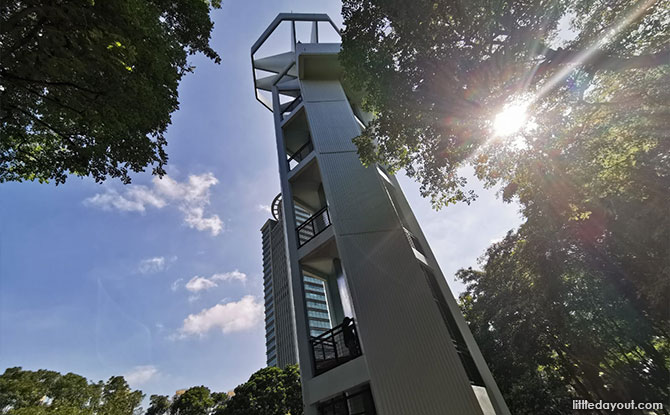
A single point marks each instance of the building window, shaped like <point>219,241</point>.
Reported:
<point>350,403</point>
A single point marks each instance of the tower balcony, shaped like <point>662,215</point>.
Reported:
<point>335,347</point>
<point>310,206</point>
<point>299,155</point>
<point>313,226</point>
<point>298,141</point>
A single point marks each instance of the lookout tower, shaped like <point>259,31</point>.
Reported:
<point>398,345</point>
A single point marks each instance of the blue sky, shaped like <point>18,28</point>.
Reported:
<point>161,281</point>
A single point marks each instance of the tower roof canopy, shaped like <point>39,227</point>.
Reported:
<point>280,67</point>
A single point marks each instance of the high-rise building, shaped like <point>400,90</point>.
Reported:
<point>398,343</point>
<point>279,328</point>
<point>280,342</point>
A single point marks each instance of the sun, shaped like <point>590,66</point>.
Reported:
<point>511,119</point>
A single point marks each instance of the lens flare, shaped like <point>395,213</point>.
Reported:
<point>511,119</point>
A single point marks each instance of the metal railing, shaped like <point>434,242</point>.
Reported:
<point>469,364</point>
<point>357,403</point>
<point>335,347</point>
<point>414,242</point>
<point>289,109</point>
<point>313,226</point>
<point>300,155</point>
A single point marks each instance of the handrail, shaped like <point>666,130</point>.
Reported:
<point>335,347</point>
<point>301,153</point>
<point>293,105</point>
<point>414,241</point>
<point>313,226</point>
<point>469,364</point>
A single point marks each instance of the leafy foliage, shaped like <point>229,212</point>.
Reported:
<point>158,405</point>
<point>436,73</point>
<point>44,392</point>
<point>197,400</point>
<point>554,330</point>
<point>87,87</point>
<point>269,391</point>
<point>573,304</point>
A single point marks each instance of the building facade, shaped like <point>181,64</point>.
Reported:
<point>279,328</point>
<point>280,344</point>
<point>398,343</point>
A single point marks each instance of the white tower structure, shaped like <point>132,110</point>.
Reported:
<point>399,344</point>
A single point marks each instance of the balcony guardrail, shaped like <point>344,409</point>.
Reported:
<point>335,347</point>
<point>300,155</point>
<point>469,364</point>
<point>313,226</point>
<point>289,109</point>
<point>414,241</point>
<point>358,403</point>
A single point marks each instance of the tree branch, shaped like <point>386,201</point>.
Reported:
<point>599,61</point>
<point>49,83</point>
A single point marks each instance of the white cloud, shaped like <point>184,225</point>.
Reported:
<point>198,283</point>
<point>190,197</point>
<point>140,375</point>
<point>175,285</point>
<point>195,218</point>
<point>149,265</point>
<point>264,208</point>
<point>112,200</point>
<point>233,316</point>
<point>228,276</point>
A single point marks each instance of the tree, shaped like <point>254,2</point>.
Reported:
<point>45,392</point>
<point>118,398</point>
<point>158,405</point>
<point>594,157</point>
<point>436,73</point>
<point>553,330</point>
<point>573,303</point>
<point>194,401</point>
<point>220,401</point>
<point>197,400</point>
<point>87,87</point>
<point>269,391</point>
<point>291,381</point>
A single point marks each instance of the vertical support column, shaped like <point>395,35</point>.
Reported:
<point>497,400</point>
<point>335,302</point>
<point>296,286</point>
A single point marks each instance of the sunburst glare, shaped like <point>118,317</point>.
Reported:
<point>511,119</point>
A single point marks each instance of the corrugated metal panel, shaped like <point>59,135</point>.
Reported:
<point>496,397</point>
<point>322,91</point>
<point>412,364</point>
<point>334,123</point>
<point>356,198</point>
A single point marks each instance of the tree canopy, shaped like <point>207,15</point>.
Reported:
<point>573,304</point>
<point>269,391</point>
<point>44,392</point>
<point>553,330</point>
<point>437,73</point>
<point>88,87</point>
